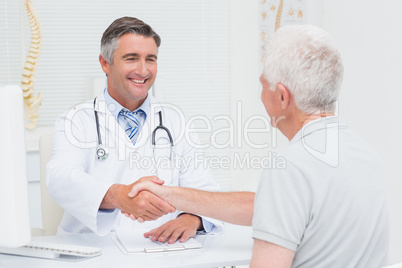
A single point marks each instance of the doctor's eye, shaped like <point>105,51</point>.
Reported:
<point>151,59</point>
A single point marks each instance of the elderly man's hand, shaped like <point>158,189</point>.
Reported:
<point>152,184</point>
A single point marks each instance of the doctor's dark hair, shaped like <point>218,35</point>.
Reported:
<point>120,27</point>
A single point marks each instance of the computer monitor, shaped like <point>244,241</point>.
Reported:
<point>15,227</point>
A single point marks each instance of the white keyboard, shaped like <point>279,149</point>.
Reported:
<point>49,250</point>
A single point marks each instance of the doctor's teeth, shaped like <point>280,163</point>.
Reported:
<point>138,81</point>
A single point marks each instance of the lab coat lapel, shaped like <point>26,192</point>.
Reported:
<point>109,125</point>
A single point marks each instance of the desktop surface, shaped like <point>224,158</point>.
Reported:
<point>233,247</point>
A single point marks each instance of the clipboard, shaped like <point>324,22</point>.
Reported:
<point>133,241</point>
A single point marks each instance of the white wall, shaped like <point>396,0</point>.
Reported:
<point>244,83</point>
<point>245,94</point>
<point>33,174</point>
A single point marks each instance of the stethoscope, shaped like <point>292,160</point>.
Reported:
<point>102,152</point>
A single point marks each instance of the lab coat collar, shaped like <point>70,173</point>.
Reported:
<point>108,121</point>
<point>115,107</point>
<point>151,105</point>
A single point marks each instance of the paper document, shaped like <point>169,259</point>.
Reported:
<point>133,241</point>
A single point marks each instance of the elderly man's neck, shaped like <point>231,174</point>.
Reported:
<point>295,121</point>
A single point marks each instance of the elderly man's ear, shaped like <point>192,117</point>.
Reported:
<point>283,95</point>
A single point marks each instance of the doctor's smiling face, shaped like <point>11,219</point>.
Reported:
<point>132,71</point>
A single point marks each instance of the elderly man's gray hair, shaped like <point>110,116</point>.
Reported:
<point>307,62</point>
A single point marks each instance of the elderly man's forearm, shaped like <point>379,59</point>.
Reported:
<point>232,207</point>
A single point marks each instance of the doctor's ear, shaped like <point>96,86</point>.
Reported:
<point>284,95</point>
<point>104,64</point>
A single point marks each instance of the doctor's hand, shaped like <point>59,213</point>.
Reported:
<point>152,184</point>
<point>183,227</point>
<point>145,205</point>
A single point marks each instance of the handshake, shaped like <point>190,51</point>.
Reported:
<point>147,199</point>
<point>153,209</point>
<point>232,207</point>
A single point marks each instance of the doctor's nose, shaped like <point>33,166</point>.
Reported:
<point>142,69</point>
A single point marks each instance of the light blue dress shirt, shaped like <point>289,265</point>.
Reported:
<point>115,108</point>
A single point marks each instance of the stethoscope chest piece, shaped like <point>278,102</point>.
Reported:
<point>102,153</point>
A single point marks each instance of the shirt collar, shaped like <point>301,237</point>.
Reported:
<point>115,107</point>
<point>318,124</point>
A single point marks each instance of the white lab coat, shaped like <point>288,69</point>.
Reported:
<point>78,181</point>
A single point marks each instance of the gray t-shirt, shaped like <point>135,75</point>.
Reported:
<point>328,202</point>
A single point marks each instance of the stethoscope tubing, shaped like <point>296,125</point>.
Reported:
<point>102,152</point>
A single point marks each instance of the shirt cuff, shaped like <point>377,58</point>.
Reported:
<point>107,210</point>
<point>208,226</point>
<point>211,226</point>
<point>105,220</point>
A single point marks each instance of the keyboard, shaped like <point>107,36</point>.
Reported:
<point>49,250</point>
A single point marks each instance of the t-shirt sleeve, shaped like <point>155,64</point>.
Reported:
<point>282,207</point>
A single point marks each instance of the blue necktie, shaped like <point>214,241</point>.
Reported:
<point>132,123</point>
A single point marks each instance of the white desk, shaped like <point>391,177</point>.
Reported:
<point>231,248</point>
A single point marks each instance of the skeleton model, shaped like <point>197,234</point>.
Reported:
<point>32,102</point>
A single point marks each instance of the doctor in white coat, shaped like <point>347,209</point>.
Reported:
<point>95,163</point>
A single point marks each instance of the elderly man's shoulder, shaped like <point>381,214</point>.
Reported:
<point>329,148</point>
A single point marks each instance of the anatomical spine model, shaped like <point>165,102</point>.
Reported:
<point>32,102</point>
